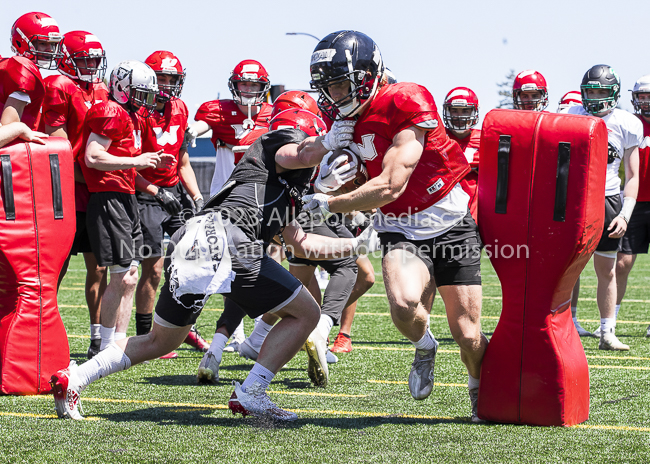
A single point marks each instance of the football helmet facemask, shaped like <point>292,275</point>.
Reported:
<point>460,97</point>
<point>133,85</point>
<point>600,76</point>
<point>249,71</point>
<point>164,62</point>
<point>31,29</point>
<point>530,80</point>
<point>641,86</point>
<point>84,58</point>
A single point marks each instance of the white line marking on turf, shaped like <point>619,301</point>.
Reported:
<point>404,382</point>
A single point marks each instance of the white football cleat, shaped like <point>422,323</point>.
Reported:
<point>232,347</point>
<point>421,375</point>
<point>609,341</point>
<point>473,397</point>
<point>247,351</point>
<point>208,369</point>
<point>647,332</point>
<point>316,348</point>
<point>331,357</point>
<point>255,402</point>
<point>67,394</point>
<point>596,333</point>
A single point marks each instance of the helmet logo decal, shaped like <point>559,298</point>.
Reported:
<point>527,72</point>
<point>251,68</point>
<point>91,38</point>
<point>323,55</point>
<point>169,63</point>
<point>47,22</point>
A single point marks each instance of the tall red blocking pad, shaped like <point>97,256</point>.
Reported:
<point>37,227</point>
<point>541,212</point>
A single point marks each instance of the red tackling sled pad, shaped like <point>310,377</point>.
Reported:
<point>37,227</point>
<point>541,189</point>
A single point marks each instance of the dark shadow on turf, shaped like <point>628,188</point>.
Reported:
<point>188,416</point>
<point>290,383</point>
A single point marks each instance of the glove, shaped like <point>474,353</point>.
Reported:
<point>340,136</point>
<point>190,137</point>
<point>333,175</point>
<point>317,205</point>
<point>168,202</point>
<point>367,242</point>
<point>359,219</point>
<point>198,204</point>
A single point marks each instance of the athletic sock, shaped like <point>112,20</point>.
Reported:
<point>258,374</point>
<point>143,323</point>
<point>574,312</point>
<point>107,336</point>
<point>472,383</point>
<point>617,309</point>
<point>259,334</point>
<point>239,335</point>
<point>427,342</point>
<point>325,324</point>
<point>218,344</point>
<point>607,324</point>
<point>95,331</point>
<point>107,362</point>
<point>119,336</point>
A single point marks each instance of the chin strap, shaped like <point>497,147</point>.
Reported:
<point>248,123</point>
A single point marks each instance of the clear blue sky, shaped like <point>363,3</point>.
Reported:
<point>434,43</point>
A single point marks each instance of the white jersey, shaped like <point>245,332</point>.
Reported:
<point>432,222</point>
<point>624,131</point>
<point>224,165</point>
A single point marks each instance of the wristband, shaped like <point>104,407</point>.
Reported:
<point>198,196</point>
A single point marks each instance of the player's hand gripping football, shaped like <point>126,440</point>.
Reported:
<point>333,174</point>
<point>317,205</point>
<point>339,136</point>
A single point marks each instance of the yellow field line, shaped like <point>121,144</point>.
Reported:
<point>636,368</point>
<point>331,395</point>
<point>404,382</point>
<point>635,358</point>
<point>307,411</point>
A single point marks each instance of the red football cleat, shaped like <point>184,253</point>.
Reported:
<point>342,344</point>
<point>172,355</point>
<point>196,341</point>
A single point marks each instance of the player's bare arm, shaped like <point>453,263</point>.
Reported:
<point>312,246</point>
<point>57,131</point>
<point>15,130</point>
<point>12,111</point>
<point>631,163</point>
<point>98,157</point>
<point>399,162</point>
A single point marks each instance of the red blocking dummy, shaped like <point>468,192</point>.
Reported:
<point>37,226</point>
<point>541,212</point>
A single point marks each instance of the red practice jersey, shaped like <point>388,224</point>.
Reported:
<point>18,74</point>
<point>67,102</point>
<point>644,163</point>
<point>227,121</point>
<point>470,146</point>
<point>442,164</point>
<point>164,131</point>
<point>110,120</point>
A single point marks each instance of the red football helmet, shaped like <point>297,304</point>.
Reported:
<point>460,97</point>
<point>572,98</point>
<point>526,81</point>
<point>164,62</point>
<point>249,71</point>
<point>297,118</point>
<point>83,57</point>
<point>31,28</point>
<point>294,99</point>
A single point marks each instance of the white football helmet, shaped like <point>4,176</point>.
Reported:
<point>641,86</point>
<point>134,85</point>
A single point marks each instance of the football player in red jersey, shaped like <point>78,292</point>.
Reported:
<point>637,238</point>
<point>19,130</point>
<point>164,129</point>
<point>460,114</point>
<point>112,141</point>
<point>422,210</point>
<point>35,39</point>
<point>232,120</point>
<point>529,91</point>
<point>569,99</point>
<point>68,97</point>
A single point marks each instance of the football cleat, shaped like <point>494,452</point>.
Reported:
<point>331,358</point>
<point>609,341</point>
<point>255,402</point>
<point>647,332</point>
<point>247,351</point>
<point>232,347</point>
<point>316,348</point>
<point>597,333</point>
<point>196,341</point>
<point>94,348</point>
<point>421,375</point>
<point>581,330</point>
<point>342,344</point>
<point>473,397</point>
<point>171,355</point>
<point>67,394</point>
<point>208,369</point>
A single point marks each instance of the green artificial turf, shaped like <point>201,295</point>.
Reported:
<point>155,412</point>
